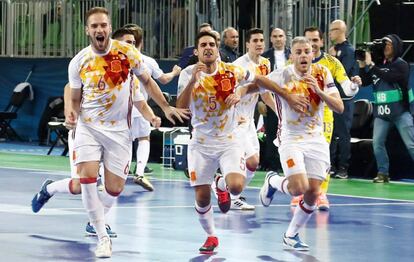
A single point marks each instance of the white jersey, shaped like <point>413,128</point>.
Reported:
<point>107,90</point>
<point>154,71</point>
<point>210,115</point>
<point>296,126</point>
<point>246,107</point>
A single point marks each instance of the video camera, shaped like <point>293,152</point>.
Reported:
<point>376,48</point>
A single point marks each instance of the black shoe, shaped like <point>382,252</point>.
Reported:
<point>382,178</point>
<point>342,173</point>
<point>148,170</point>
<point>332,171</point>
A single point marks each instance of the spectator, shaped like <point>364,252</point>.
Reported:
<point>278,54</point>
<point>230,43</point>
<point>340,147</point>
<point>390,85</point>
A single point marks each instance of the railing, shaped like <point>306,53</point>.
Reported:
<point>55,28</point>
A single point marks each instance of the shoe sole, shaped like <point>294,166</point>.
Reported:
<point>287,247</point>
<point>87,234</point>
<point>209,252</point>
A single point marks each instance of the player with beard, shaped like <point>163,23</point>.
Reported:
<point>304,152</point>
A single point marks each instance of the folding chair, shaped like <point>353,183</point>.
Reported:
<point>56,126</point>
<point>21,93</point>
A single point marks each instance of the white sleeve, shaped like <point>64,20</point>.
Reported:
<point>140,69</point>
<point>349,88</point>
<point>183,79</point>
<point>75,80</point>
<point>156,71</point>
<point>329,83</point>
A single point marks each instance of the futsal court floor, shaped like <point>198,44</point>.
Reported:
<point>163,225</point>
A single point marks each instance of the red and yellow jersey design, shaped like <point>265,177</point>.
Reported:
<point>299,126</point>
<point>245,108</point>
<point>108,85</point>
<point>210,114</point>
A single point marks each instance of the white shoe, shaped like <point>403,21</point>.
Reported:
<point>104,248</point>
<point>294,243</point>
<point>241,204</point>
<point>267,191</point>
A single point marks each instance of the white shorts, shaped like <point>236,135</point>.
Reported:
<point>140,127</point>
<point>114,148</point>
<point>204,159</point>
<point>306,157</point>
<point>247,134</point>
<point>73,168</point>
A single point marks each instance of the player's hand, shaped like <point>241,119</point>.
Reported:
<point>312,83</point>
<point>178,113</point>
<point>298,102</point>
<point>176,70</point>
<point>198,68</point>
<point>156,122</point>
<point>356,80</point>
<point>71,118</point>
<point>232,99</point>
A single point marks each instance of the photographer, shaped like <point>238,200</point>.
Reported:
<point>389,76</point>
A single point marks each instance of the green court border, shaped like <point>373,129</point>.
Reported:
<point>348,187</point>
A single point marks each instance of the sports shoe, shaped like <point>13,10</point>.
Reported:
<point>241,204</point>
<point>223,197</point>
<point>144,182</point>
<point>295,200</point>
<point>148,170</point>
<point>91,232</point>
<point>294,243</point>
<point>209,246</point>
<point>42,197</point>
<point>104,248</point>
<point>323,202</point>
<point>267,191</point>
<point>341,173</point>
<point>382,178</point>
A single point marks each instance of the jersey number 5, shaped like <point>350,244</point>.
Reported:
<point>212,103</point>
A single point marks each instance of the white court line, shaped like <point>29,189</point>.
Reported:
<point>23,209</point>
<point>67,174</point>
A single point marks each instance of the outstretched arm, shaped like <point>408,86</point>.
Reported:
<point>155,93</point>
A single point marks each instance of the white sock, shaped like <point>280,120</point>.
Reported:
<point>222,184</point>
<point>302,214</point>
<point>107,200</point>
<point>93,206</point>
<point>143,151</point>
<point>60,186</point>
<point>249,177</point>
<point>280,183</point>
<point>205,216</point>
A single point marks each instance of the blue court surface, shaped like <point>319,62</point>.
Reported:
<point>163,226</point>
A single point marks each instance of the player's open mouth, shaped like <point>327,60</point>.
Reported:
<point>208,53</point>
<point>100,38</point>
<point>303,62</point>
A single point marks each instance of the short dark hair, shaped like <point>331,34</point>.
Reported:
<point>204,25</point>
<point>201,34</point>
<point>96,10</point>
<point>121,32</point>
<point>313,29</point>
<point>137,31</point>
<point>251,32</point>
